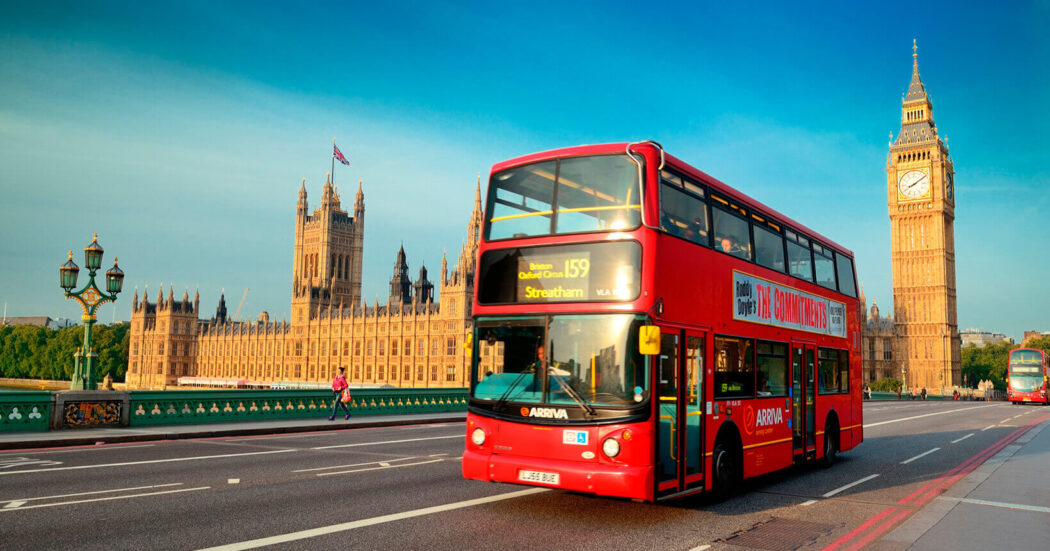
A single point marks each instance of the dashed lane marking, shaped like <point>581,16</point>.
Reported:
<point>388,466</point>
<point>351,465</point>
<point>110,498</point>
<point>343,527</point>
<point>808,503</point>
<point>147,462</point>
<point>988,427</point>
<point>460,436</point>
<point>920,456</point>
<point>869,425</point>
<point>850,485</point>
<point>957,440</point>
<point>78,494</point>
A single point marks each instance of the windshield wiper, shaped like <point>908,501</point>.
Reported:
<point>575,395</point>
<point>506,393</point>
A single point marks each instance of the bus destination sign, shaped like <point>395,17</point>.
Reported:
<point>607,271</point>
<point>760,301</point>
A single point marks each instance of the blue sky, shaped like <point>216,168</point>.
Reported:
<point>180,131</point>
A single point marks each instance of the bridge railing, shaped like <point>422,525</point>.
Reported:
<point>27,411</point>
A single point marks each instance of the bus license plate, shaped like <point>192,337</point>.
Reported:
<point>537,476</point>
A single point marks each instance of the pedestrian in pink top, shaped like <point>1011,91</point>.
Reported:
<point>339,384</point>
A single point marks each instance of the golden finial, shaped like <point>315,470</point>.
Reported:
<point>915,52</point>
<point>94,236</point>
<point>70,255</point>
<point>115,259</point>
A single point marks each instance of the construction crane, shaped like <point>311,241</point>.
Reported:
<point>244,296</point>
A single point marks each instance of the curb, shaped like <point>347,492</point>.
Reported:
<point>165,433</point>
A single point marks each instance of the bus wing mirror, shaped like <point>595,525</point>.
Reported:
<point>649,340</point>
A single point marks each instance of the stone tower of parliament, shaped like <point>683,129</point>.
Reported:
<point>921,199</point>
<point>412,341</point>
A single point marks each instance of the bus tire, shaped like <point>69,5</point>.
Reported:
<point>725,470</point>
<point>831,443</point>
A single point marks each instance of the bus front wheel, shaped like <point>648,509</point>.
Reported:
<point>726,470</point>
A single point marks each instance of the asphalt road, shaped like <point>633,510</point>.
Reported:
<point>930,475</point>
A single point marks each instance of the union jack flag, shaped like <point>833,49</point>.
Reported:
<point>339,155</point>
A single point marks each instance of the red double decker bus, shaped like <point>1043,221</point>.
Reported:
<point>1026,376</point>
<point>643,330</point>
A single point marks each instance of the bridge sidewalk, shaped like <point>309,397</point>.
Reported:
<point>81,437</point>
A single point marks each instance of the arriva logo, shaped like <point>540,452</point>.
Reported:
<point>764,418</point>
<point>769,416</point>
<point>546,413</point>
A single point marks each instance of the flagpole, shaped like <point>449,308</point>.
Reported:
<point>333,162</point>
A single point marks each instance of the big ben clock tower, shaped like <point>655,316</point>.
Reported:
<point>921,194</point>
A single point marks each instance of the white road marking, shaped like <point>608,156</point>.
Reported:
<point>1005,420</point>
<point>850,485</point>
<point>384,464</point>
<point>8,462</point>
<point>343,527</point>
<point>701,548</point>
<point>233,481</point>
<point>111,498</point>
<point>921,416</point>
<point>15,504</point>
<point>957,440</point>
<point>352,465</point>
<point>149,462</point>
<point>97,492</point>
<point>387,442</point>
<point>384,467</point>
<point>988,427</point>
<point>921,455</point>
<point>1018,506</point>
<point>808,503</point>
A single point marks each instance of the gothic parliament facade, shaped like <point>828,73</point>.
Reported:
<point>412,341</point>
<point>924,333</point>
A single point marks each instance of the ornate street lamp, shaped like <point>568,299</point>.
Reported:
<point>89,297</point>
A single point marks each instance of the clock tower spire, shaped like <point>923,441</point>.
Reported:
<point>921,199</point>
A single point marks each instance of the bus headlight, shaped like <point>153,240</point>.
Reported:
<point>477,437</point>
<point>611,447</point>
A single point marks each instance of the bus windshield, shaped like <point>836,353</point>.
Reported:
<point>584,360</point>
<point>578,194</point>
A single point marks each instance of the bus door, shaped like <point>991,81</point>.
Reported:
<point>803,414</point>
<point>681,409</point>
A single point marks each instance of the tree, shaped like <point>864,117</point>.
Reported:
<point>986,363</point>
<point>889,384</point>
<point>32,352</point>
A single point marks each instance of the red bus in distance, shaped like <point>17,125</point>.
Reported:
<point>1026,376</point>
<point>642,330</point>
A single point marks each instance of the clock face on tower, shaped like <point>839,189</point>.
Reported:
<point>913,184</point>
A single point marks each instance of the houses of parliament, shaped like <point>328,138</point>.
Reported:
<point>415,340</point>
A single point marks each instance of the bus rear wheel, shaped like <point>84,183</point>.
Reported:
<point>725,467</point>
<point>831,446</point>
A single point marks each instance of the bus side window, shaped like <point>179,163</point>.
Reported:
<point>772,369</point>
<point>734,368</point>
<point>732,234</point>
<point>824,267</point>
<point>844,265</point>
<point>769,247</point>
<point>828,371</point>
<point>800,261</point>
<point>683,215</point>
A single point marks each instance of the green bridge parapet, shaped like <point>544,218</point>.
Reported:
<point>73,409</point>
<point>25,410</point>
